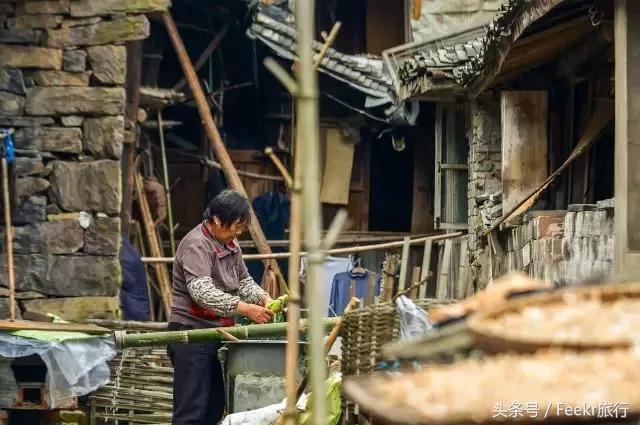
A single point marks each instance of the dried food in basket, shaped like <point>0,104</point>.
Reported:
<point>488,299</point>
<point>604,316</point>
<point>549,385</point>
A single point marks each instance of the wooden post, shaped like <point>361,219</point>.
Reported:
<point>215,140</point>
<point>134,71</point>
<point>627,128</point>
<point>443,275</point>
<point>162,274</point>
<point>8,232</point>
<point>389,269</point>
<point>167,186</point>
<point>404,265</point>
<point>426,266</point>
<point>415,279</point>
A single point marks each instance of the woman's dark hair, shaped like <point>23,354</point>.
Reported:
<point>228,206</point>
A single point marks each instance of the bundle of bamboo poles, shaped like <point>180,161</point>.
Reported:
<point>140,390</point>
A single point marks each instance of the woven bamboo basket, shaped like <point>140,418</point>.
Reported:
<point>364,333</point>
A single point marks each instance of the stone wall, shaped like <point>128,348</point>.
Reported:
<point>563,247</point>
<point>485,184</point>
<point>62,75</point>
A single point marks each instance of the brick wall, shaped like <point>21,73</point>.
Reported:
<point>62,75</point>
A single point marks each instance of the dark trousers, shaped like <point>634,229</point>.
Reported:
<point>198,387</point>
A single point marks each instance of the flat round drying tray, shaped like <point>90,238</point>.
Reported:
<point>577,318</point>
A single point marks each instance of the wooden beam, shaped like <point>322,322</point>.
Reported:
<point>216,142</point>
<point>443,274</point>
<point>22,325</point>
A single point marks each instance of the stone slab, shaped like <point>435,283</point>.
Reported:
<point>42,7</point>
<point>107,32</point>
<point>77,309</point>
<point>17,121</point>
<point>64,275</point>
<point>57,237</point>
<point>29,186</point>
<point>11,103</point>
<point>74,60</point>
<point>78,22</point>
<point>108,63</point>
<point>30,57</point>
<point>5,313</point>
<point>72,120</point>
<point>103,236</point>
<point>74,186</point>
<point>103,137</point>
<point>82,8</point>
<point>20,36</point>
<point>12,80</point>
<point>75,100</point>
<point>23,166</point>
<point>50,139</point>
<point>34,22</point>
<point>62,78</point>
<point>30,210</point>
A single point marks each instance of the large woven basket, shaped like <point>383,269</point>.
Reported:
<point>364,332</point>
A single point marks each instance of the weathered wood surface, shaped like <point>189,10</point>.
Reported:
<point>524,144</point>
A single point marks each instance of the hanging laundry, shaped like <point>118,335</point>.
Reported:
<point>364,285</point>
<point>332,267</point>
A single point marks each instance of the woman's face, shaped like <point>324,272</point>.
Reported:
<point>226,234</point>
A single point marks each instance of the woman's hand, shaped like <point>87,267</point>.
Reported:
<point>265,301</point>
<point>257,313</point>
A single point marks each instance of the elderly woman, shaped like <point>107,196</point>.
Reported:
<point>211,285</point>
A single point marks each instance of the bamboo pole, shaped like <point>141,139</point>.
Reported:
<point>295,299</point>
<point>345,250</point>
<point>308,137</point>
<point>8,232</point>
<point>280,166</point>
<point>216,142</point>
<point>404,265</point>
<point>162,274</point>
<point>167,188</point>
<point>152,339</point>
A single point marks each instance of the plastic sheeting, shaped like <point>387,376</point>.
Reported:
<point>75,367</point>
<point>414,321</point>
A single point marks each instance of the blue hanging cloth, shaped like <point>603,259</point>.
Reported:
<point>8,149</point>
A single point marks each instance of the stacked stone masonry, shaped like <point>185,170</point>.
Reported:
<point>62,76</point>
<point>563,247</point>
<point>485,181</point>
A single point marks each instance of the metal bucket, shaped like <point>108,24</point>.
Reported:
<point>254,372</point>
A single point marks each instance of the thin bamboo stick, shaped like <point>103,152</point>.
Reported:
<point>167,188</point>
<point>8,232</point>
<point>162,274</point>
<point>151,339</point>
<point>345,250</point>
<point>404,265</point>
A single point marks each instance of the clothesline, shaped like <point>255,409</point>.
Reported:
<point>345,250</point>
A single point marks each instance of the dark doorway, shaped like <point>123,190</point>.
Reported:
<point>391,195</point>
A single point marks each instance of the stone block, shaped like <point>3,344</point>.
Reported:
<point>77,309</point>
<point>28,295</point>
<point>103,137</point>
<point>30,57</point>
<point>58,237</point>
<point>50,139</point>
<point>72,121</point>
<point>74,60</point>
<point>11,104</point>
<point>103,236</point>
<point>23,167</point>
<point>578,230</point>
<point>30,210</point>
<point>526,254</point>
<point>34,22</point>
<point>29,186</point>
<point>8,121</point>
<point>42,7</point>
<point>79,22</point>
<point>83,8</point>
<point>74,186</point>
<point>5,313</point>
<point>11,80</point>
<point>20,36</point>
<point>569,224</point>
<point>587,224</point>
<point>581,207</point>
<point>64,275</point>
<point>62,78</point>
<point>545,226</point>
<point>606,204</point>
<point>107,32</point>
<point>109,63</point>
<point>75,100</point>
